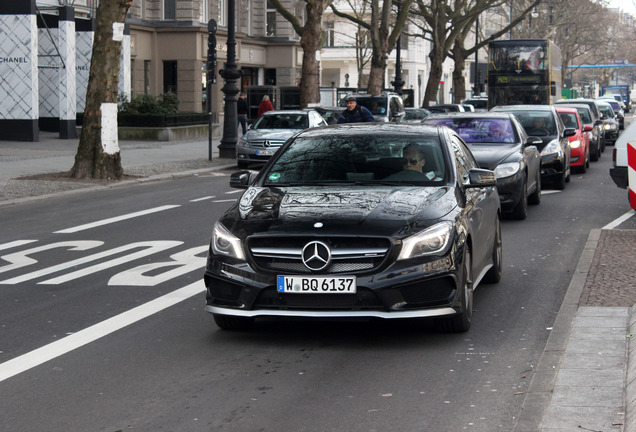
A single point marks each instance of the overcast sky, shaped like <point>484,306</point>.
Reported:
<point>626,5</point>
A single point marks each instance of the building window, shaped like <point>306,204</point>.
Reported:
<point>222,15</point>
<point>170,76</point>
<point>248,11</point>
<point>271,19</point>
<point>169,9</point>
<point>203,11</point>
<point>330,34</point>
<point>146,76</point>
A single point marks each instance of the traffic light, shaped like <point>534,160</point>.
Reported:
<point>212,51</point>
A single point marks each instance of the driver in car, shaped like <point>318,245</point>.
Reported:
<point>413,166</point>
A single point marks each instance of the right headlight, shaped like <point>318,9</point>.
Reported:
<point>432,241</point>
<point>225,243</point>
<point>242,142</point>
<point>575,144</point>
<point>552,148</point>
<point>507,169</point>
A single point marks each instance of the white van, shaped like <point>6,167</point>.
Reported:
<point>619,171</point>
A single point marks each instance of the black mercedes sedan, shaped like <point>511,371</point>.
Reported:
<point>543,121</point>
<point>499,143</point>
<point>358,221</point>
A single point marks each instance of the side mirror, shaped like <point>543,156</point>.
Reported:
<point>241,179</point>
<point>534,141</point>
<point>588,128</point>
<point>480,178</point>
<point>568,132</point>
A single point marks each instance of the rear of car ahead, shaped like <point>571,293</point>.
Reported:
<point>580,142</point>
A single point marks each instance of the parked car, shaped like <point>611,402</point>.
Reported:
<point>385,107</point>
<point>579,142</point>
<point>468,107</point>
<point>610,122</point>
<point>499,143</point>
<point>479,102</point>
<point>270,131</point>
<point>543,121</point>
<point>449,107</point>
<point>343,222</point>
<point>415,115</point>
<point>598,122</point>
<point>591,128</point>
<point>619,170</point>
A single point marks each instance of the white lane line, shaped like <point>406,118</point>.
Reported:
<point>15,244</point>
<point>235,191</point>
<point>620,220</point>
<point>115,219</point>
<point>55,349</point>
<point>222,201</point>
<point>202,199</point>
<point>548,192</point>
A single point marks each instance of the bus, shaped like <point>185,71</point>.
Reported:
<point>523,71</point>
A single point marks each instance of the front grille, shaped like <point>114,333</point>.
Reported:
<point>348,254</point>
<point>267,143</point>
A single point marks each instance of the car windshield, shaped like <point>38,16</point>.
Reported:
<point>282,121</point>
<point>416,114</point>
<point>359,159</point>
<point>607,111</point>
<point>537,123</point>
<point>569,120</point>
<point>615,106</point>
<point>585,115</point>
<point>480,130</point>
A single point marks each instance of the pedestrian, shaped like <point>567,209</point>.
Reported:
<point>264,106</point>
<point>241,112</point>
<point>355,113</point>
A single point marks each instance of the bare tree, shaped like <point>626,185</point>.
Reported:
<point>311,37</point>
<point>94,158</point>
<point>384,29</point>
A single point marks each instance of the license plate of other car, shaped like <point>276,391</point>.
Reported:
<point>317,285</point>
<point>265,152</point>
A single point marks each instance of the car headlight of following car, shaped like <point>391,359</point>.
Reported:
<point>242,142</point>
<point>575,144</point>
<point>610,126</point>
<point>507,169</point>
<point>432,241</point>
<point>553,147</point>
<point>226,243</point>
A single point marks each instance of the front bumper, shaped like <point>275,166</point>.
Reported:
<point>250,154</point>
<point>426,288</point>
<point>510,191</point>
<point>552,167</point>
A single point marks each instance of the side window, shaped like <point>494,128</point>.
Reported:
<point>463,158</point>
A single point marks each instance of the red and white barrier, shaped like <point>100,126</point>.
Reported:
<point>631,173</point>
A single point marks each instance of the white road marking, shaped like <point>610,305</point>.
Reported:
<point>55,349</point>
<point>222,201</point>
<point>15,244</point>
<point>22,258</point>
<point>115,219</point>
<point>548,192</point>
<point>234,191</point>
<point>619,221</point>
<point>203,199</point>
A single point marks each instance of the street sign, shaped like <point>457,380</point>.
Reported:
<point>623,61</point>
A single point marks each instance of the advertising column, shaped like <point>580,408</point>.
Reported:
<point>67,75</point>
<point>19,109</point>
<point>124,64</point>
<point>83,52</point>
<point>49,76</point>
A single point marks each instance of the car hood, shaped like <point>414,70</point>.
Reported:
<point>489,156</point>
<point>270,134</point>
<point>383,210</point>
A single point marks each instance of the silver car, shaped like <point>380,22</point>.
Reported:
<point>270,131</point>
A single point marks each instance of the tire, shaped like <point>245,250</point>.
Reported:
<point>596,155</point>
<point>520,212</point>
<point>560,182</point>
<point>494,274</point>
<point>461,322</point>
<point>242,164</point>
<point>228,322</point>
<point>535,197</point>
<point>587,161</point>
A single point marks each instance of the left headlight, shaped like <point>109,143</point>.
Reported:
<point>610,126</point>
<point>432,241</point>
<point>226,243</point>
<point>552,148</point>
<point>575,144</point>
<point>507,169</point>
<point>242,142</point>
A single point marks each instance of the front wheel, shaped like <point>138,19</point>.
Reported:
<point>560,182</point>
<point>535,197</point>
<point>494,273</point>
<point>461,322</point>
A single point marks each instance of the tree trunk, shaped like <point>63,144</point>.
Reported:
<point>376,73</point>
<point>311,41</point>
<point>459,84</point>
<point>432,86</point>
<point>92,160</point>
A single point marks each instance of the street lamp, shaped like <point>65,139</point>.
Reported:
<point>230,74</point>
<point>398,83</point>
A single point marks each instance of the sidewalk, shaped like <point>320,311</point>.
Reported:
<point>586,376</point>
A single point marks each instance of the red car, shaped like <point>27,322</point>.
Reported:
<point>579,142</point>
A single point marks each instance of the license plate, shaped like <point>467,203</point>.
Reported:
<point>316,285</point>
<point>265,152</point>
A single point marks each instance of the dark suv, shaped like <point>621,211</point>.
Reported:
<point>599,133</point>
<point>542,121</point>
<point>385,107</point>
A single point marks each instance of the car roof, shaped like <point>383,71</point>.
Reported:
<point>476,114</point>
<point>522,108</point>
<point>575,105</point>
<point>373,128</point>
<point>586,100</point>
<point>567,109</point>
<point>274,112</point>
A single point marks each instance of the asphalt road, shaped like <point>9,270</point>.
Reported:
<point>103,328</point>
